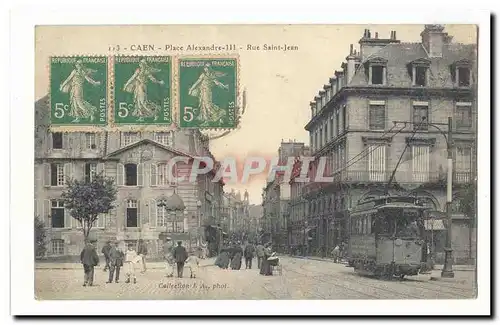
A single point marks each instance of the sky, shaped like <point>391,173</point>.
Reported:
<point>279,84</point>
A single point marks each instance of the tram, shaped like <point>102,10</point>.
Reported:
<point>387,237</point>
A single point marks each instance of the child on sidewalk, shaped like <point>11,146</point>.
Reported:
<point>193,263</point>
<point>131,258</point>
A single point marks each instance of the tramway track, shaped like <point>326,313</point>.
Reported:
<point>380,287</point>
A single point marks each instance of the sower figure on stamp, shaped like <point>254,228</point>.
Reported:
<point>105,250</point>
<point>115,262</point>
<point>89,259</point>
<point>180,256</point>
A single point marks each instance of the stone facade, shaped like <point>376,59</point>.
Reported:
<point>136,161</point>
<point>352,124</point>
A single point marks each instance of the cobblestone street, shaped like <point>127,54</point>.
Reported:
<point>301,279</point>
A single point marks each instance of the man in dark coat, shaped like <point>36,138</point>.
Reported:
<point>142,251</point>
<point>105,251</point>
<point>89,259</point>
<point>180,256</point>
<point>237,254</point>
<point>115,263</point>
<point>249,252</point>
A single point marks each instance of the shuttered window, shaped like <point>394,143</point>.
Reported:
<point>376,163</point>
<point>377,117</point>
<point>420,116</point>
<point>420,161</point>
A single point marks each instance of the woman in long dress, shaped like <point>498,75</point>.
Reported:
<point>236,260</point>
<point>79,107</point>
<point>202,89</point>
<point>137,85</point>
<point>222,260</point>
<point>265,268</point>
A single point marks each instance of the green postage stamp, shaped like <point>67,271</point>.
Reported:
<point>142,90</point>
<point>208,92</point>
<point>78,91</point>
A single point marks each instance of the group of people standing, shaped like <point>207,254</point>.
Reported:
<point>231,256</point>
<point>115,259</point>
<point>178,258</point>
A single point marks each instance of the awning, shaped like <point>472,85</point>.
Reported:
<point>434,224</point>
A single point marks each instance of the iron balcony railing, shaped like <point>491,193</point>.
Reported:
<point>411,177</point>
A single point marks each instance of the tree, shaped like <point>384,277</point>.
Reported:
<point>40,237</point>
<point>86,200</point>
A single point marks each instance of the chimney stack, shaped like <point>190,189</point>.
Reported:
<point>433,40</point>
<point>351,50</point>
<point>376,34</point>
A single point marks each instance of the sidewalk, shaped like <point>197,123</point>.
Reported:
<point>75,266</point>
<point>437,267</point>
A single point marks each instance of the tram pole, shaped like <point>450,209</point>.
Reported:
<point>447,271</point>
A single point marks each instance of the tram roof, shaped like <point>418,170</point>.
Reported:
<point>383,202</point>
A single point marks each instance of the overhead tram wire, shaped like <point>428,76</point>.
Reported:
<point>402,153</point>
<point>351,162</point>
<point>361,152</point>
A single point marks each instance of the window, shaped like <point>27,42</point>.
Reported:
<point>162,216</point>
<point>57,140</point>
<point>165,138</point>
<point>326,133</point>
<point>420,76</point>
<point>57,175</point>
<point>163,177</point>
<point>130,137</point>
<point>464,159</point>
<point>376,163</point>
<point>90,172</point>
<point>377,116</point>
<point>344,117</point>
<point>90,140</point>
<point>463,77</point>
<point>132,214</point>
<point>420,116</point>
<point>320,138</point>
<point>337,121</point>
<point>57,247</point>
<point>331,127</point>
<point>377,75</point>
<point>463,115</point>
<point>420,162</point>
<point>130,175</point>
<point>57,213</point>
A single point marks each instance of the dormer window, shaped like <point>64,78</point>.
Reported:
<point>419,71</point>
<point>461,73</point>
<point>377,71</point>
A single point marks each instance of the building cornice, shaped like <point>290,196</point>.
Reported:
<point>387,91</point>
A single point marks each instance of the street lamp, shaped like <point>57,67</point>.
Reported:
<point>198,208</point>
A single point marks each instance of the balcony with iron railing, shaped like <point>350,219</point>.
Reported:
<point>370,177</point>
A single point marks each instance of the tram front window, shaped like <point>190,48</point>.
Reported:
<point>399,224</point>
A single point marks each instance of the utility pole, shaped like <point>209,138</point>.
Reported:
<point>447,271</point>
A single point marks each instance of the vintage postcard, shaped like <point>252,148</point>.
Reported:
<point>256,162</point>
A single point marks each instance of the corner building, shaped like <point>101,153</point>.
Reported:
<point>352,124</point>
<point>137,161</point>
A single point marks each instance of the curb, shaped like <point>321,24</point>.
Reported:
<point>449,280</point>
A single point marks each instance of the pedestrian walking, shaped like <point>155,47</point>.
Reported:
<point>192,263</point>
<point>249,253</point>
<point>336,254</point>
<point>169,259</point>
<point>89,259</point>
<point>115,263</point>
<point>260,255</point>
<point>180,256</point>
<point>105,251</point>
<point>131,258</point>
<point>142,251</point>
<point>238,254</point>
